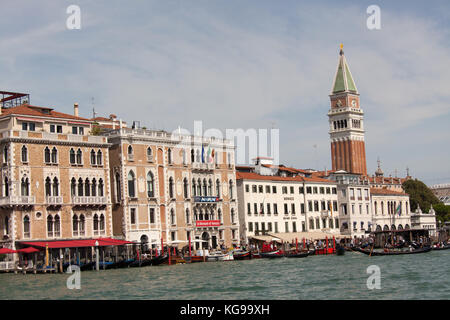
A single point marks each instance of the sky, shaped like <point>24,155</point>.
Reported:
<point>245,64</point>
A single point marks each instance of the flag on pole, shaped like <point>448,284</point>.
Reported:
<point>399,209</point>
<point>209,155</point>
<point>203,154</point>
<point>212,154</point>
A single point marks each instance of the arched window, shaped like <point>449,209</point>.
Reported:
<point>79,156</point>
<point>232,216</point>
<point>382,207</point>
<point>82,225</point>
<point>195,215</point>
<point>171,194</point>
<point>48,187</point>
<point>99,158</point>
<point>24,154</point>
<point>93,157</point>
<point>199,187</point>
<point>72,156</point>
<point>80,187</point>
<point>187,216</point>
<point>210,188</point>
<point>130,152</point>
<point>54,155</point>
<point>192,156</point>
<point>50,226</point>
<point>186,188</point>
<point>95,224</point>
<point>6,187</point>
<point>150,185</point>
<point>94,188</point>
<point>87,188</point>
<point>169,156</point>
<point>5,154</point>
<point>172,216</point>
<point>183,155</point>
<point>376,207</point>
<point>149,154</point>
<point>118,193</point>
<point>131,189</point>
<point>194,186</point>
<point>102,223</point>
<point>47,155</point>
<point>25,187</point>
<point>55,186</point>
<point>200,216</point>
<point>100,187</point>
<point>73,187</point>
<point>75,225</point>
<point>57,226</point>
<point>26,226</point>
<point>205,188</point>
<point>231,189</point>
<point>219,215</point>
<point>218,188</point>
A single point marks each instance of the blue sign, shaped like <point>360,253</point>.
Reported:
<point>206,199</point>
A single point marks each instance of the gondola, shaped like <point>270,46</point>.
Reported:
<point>272,255</point>
<point>392,253</point>
<point>297,255</point>
<point>124,263</point>
<point>256,255</point>
<point>242,255</point>
<point>159,260</point>
<point>340,250</point>
<point>312,252</point>
<point>441,248</point>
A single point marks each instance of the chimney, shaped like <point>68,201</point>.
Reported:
<point>75,109</point>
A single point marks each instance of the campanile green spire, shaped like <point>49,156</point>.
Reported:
<point>343,81</point>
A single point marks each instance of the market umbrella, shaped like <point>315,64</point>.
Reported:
<point>28,250</point>
<point>6,250</point>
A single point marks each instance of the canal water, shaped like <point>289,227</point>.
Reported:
<point>422,276</point>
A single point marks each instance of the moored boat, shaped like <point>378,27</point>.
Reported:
<point>241,255</point>
<point>272,254</point>
<point>393,252</point>
<point>297,255</point>
<point>441,248</point>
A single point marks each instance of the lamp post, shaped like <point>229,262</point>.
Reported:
<point>97,262</point>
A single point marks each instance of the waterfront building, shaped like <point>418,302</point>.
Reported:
<point>54,174</point>
<point>442,192</point>
<point>279,199</point>
<point>173,187</point>
<point>423,220</point>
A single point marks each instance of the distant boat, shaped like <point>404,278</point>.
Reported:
<point>297,255</point>
<point>340,250</point>
<point>272,254</point>
<point>219,256</point>
<point>441,248</point>
<point>393,253</point>
<point>241,255</point>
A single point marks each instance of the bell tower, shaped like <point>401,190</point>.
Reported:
<point>346,120</point>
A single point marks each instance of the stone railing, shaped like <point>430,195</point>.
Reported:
<point>17,200</point>
<point>88,200</point>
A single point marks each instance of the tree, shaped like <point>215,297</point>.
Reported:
<point>420,195</point>
<point>442,212</point>
<point>96,129</point>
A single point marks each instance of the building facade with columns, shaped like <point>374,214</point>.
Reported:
<point>173,187</point>
<point>54,175</point>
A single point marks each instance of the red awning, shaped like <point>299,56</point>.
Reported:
<point>6,250</point>
<point>102,242</point>
<point>28,250</point>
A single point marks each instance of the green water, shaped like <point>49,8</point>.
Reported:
<point>422,276</point>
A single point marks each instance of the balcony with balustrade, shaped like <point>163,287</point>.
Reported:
<point>89,201</point>
<point>17,201</point>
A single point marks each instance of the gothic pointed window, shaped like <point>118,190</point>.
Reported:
<point>80,187</point>
<point>169,156</point>
<point>192,156</point>
<point>102,223</point>
<point>150,185</point>
<point>55,187</point>
<point>24,154</point>
<point>100,187</point>
<point>171,191</point>
<point>210,188</point>
<point>149,154</point>
<point>231,189</point>
<point>75,225</point>
<point>186,188</point>
<point>48,187</point>
<point>99,158</point>
<point>6,187</point>
<point>73,187</point>
<point>82,225</point>
<point>94,188</point>
<point>95,224</point>
<point>50,226</point>
<point>194,190</point>
<point>172,217</point>
<point>47,155</point>
<point>87,188</point>
<point>72,156</point>
<point>118,188</point>
<point>54,155</point>
<point>187,216</point>
<point>205,188</point>
<point>79,156</point>
<point>26,226</point>
<point>93,157</point>
<point>218,188</point>
<point>131,190</point>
